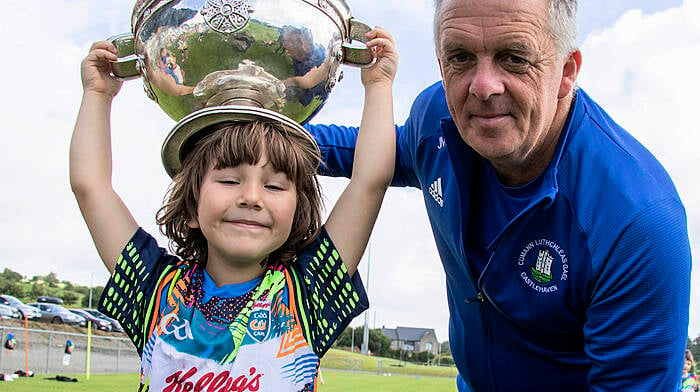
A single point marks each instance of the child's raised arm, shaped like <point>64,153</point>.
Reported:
<point>352,218</point>
<point>109,221</point>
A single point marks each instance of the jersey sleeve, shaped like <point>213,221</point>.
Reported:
<point>637,321</point>
<point>327,298</point>
<point>128,296</point>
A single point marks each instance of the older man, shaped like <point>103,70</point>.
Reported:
<point>563,240</point>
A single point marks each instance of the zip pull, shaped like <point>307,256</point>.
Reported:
<point>479,297</point>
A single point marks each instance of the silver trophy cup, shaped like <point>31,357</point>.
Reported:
<point>208,61</point>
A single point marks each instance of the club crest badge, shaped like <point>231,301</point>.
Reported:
<point>542,270</point>
<point>227,16</point>
<point>543,265</point>
<point>259,324</point>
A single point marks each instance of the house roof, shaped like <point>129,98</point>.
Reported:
<point>407,334</point>
<point>390,333</point>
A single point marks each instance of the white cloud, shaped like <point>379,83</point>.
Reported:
<point>41,229</point>
<point>643,72</point>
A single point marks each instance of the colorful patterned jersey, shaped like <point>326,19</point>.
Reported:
<point>267,337</point>
<point>690,384</point>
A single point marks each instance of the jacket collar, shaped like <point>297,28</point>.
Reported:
<point>462,155</point>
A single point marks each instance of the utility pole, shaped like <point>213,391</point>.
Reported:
<point>90,296</point>
<point>365,331</point>
<point>352,339</point>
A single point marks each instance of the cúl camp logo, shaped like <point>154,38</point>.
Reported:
<point>259,322</point>
<point>543,265</point>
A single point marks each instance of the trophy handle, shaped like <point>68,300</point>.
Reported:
<point>356,56</point>
<point>126,67</point>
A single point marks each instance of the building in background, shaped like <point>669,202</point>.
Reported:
<point>413,339</point>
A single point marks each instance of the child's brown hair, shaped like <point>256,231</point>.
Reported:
<point>230,144</point>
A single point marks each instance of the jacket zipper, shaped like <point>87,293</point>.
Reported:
<point>479,297</point>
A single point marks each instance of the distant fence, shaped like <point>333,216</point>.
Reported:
<point>114,355</point>
<point>46,348</point>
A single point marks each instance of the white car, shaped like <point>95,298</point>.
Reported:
<point>8,312</point>
<point>30,312</point>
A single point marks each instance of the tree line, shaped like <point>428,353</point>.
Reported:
<point>28,289</point>
<point>694,346</point>
<point>380,345</point>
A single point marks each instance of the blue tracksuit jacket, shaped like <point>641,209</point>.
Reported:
<point>586,289</point>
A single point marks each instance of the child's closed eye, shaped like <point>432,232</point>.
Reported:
<point>275,187</point>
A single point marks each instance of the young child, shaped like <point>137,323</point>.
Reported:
<point>258,289</point>
<point>689,381</point>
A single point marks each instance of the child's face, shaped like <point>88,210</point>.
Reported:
<point>245,213</point>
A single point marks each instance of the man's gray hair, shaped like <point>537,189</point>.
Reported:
<point>562,24</point>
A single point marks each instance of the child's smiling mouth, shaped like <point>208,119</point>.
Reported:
<point>247,224</point>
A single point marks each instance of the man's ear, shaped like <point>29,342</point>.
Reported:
<point>572,66</point>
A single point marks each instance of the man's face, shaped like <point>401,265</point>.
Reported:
<point>502,76</point>
<point>296,46</point>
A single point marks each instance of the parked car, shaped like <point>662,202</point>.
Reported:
<point>49,299</point>
<point>116,327</point>
<point>31,312</point>
<point>97,322</point>
<point>7,312</point>
<point>57,314</point>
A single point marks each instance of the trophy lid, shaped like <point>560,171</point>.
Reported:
<point>341,14</point>
<point>175,147</point>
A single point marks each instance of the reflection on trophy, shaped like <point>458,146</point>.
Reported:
<point>208,61</point>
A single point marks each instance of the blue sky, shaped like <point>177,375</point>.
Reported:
<point>638,62</point>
